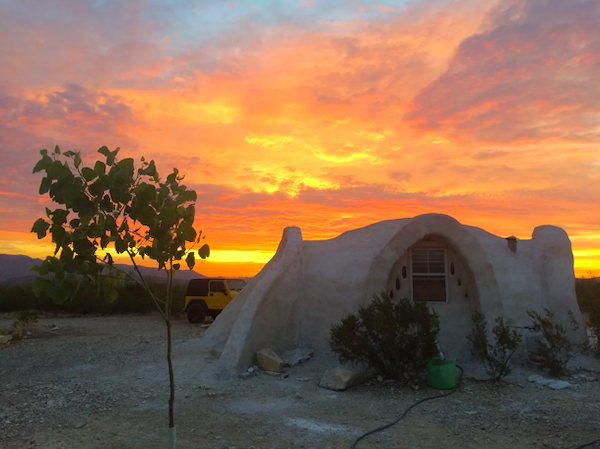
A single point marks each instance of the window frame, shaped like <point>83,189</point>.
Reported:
<point>423,275</point>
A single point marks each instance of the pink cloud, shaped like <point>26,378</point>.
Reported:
<point>531,74</point>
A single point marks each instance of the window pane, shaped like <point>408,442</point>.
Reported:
<point>436,267</point>
<point>428,261</point>
<point>217,287</point>
<point>429,288</point>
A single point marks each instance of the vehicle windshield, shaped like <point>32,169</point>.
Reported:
<point>236,284</point>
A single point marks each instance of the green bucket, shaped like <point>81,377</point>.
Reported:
<point>441,374</point>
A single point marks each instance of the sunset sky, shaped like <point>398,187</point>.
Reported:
<point>327,115</point>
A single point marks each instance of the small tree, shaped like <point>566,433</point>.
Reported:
<point>556,348</point>
<point>114,206</point>
<point>495,357</point>
<point>394,338</point>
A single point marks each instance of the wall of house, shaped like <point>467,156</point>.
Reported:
<point>462,296</point>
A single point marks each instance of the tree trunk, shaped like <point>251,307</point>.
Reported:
<point>172,434</point>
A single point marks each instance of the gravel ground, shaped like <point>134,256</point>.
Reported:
<point>101,382</point>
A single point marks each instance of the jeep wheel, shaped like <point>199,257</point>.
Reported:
<point>196,314</point>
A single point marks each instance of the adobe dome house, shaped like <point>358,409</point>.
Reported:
<point>310,285</point>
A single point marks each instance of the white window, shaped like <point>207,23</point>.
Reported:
<point>428,271</point>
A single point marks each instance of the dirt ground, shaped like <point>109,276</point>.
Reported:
<point>101,382</point>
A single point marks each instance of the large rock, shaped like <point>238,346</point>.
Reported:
<point>269,361</point>
<point>4,339</point>
<point>296,356</point>
<point>339,379</point>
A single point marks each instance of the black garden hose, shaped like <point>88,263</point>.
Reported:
<point>431,398</point>
<point>396,421</point>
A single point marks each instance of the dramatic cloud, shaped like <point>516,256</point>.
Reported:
<point>325,115</point>
<point>532,74</point>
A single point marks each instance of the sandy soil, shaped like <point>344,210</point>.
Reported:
<point>101,382</point>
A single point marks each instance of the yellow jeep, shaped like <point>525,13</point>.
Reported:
<point>209,296</point>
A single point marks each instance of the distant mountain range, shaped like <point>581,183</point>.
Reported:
<point>14,270</point>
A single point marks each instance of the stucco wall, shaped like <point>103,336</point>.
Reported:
<point>310,285</point>
<point>462,296</point>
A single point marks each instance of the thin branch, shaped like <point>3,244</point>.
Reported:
<point>154,298</point>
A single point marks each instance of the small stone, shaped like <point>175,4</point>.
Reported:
<point>297,356</point>
<point>79,425</point>
<point>269,361</point>
<point>339,379</point>
<point>251,369</point>
<point>247,375</point>
<point>534,378</point>
<point>4,339</point>
<point>302,379</point>
<point>559,385</point>
<point>379,378</point>
<point>272,373</point>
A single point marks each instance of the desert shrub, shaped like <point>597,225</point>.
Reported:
<point>556,348</point>
<point>393,338</point>
<point>495,357</point>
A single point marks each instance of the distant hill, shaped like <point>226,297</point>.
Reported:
<point>12,266</point>
<point>14,270</point>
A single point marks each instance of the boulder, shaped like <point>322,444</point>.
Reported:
<point>269,361</point>
<point>339,379</point>
<point>297,356</point>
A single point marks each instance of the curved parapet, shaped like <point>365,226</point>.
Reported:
<point>264,313</point>
<point>477,272</point>
<point>558,286</point>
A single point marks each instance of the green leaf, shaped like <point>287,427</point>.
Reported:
<point>120,246</point>
<point>40,227</point>
<point>66,255</point>
<point>110,157</point>
<point>176,266</point>
<point>189,233</point>
<point>189,195</point>
<point>99,167</point>
<point>44,152</point>
<point>204,251</point>
<point>75,222</point>
<point>150,170</point>
<point>40,285</point>
<point>43,163</point>
<point>77,160</point>
<point>58,171</point>
<point>190,260</point>
<point>56,150</point>
<point>69,153</point>
<point>88,173</point>
<point>104,151</point>
<point>59,216</point>
<point>45,185</point>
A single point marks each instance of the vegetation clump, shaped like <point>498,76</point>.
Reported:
<point>396,339</point>
<point>495,357</point>
<point>555,349</point>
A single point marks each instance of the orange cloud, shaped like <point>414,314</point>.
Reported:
<point>336,125</point>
